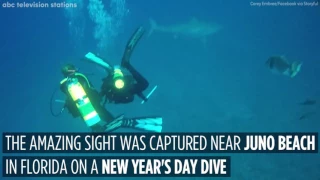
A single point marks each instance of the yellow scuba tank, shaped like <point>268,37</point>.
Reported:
<point>85,107</point>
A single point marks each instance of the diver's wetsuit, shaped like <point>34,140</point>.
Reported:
<point>134,84</point>
<point>94,97</point>
<point>141,82</point>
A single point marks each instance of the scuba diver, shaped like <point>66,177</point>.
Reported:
<point>84,101</point>
<point>118,87</point>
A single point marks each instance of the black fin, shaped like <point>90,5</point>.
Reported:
<point>131,45</point>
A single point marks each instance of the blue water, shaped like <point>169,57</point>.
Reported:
<point>218,86</point>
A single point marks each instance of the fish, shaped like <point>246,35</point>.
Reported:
<point>308,102</point>
<point>193,28</point>
<point>281,65</point>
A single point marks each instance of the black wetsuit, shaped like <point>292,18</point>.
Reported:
<point>94,97</point>
<point>135,84</point>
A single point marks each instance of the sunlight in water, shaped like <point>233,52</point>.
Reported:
<point>107,19</point>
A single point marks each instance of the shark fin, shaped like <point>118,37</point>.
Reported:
<point>153,26</point>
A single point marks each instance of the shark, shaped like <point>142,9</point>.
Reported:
<point>193,28</point>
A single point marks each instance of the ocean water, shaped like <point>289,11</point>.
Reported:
<point>217,85</point>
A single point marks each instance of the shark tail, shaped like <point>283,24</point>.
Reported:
<point>295,68</point>
<point>153,26</point>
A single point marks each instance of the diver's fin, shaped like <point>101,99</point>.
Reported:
<point>151,124</point>
<point>295,68</point>
<point>150,93</point>
<point>131,44</point>
<point>149,120</point>
<point>153,26</point>
<point>95,59</point>
<point>119,117</point>
<point>149,127</point>
<point>115,124</point>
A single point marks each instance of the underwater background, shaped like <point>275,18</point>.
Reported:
<point>221,85</point>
